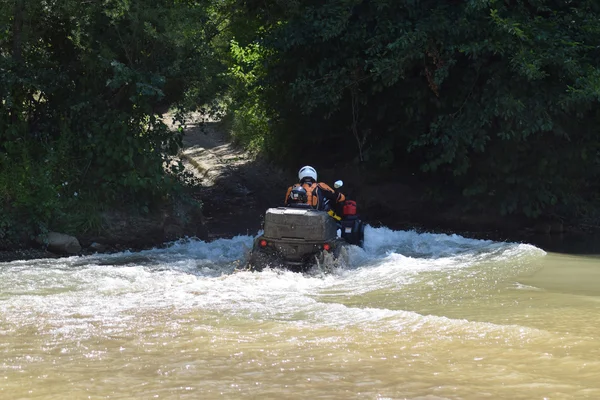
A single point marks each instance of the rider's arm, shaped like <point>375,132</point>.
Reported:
<point>287,196</point>
<point>331,194</point>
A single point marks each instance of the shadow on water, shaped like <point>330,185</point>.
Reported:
<point>569,243</point>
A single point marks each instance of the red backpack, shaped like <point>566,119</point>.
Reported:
<point>349,208</point>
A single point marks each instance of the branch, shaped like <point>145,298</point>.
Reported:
<point>468,95</point>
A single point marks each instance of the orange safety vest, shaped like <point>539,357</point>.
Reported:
<point>312,193</point>
<point>312,196</point>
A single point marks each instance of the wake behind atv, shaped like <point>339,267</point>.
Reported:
<point>296,238</point>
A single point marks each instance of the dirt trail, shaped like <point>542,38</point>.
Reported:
<point>236,189</point>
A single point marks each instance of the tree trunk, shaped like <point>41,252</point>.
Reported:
<point>17,56</point>
<point>17,53</point>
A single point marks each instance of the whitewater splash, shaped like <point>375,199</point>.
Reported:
<point>77,293</point>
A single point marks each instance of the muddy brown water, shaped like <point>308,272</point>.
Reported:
<point>416,316</point>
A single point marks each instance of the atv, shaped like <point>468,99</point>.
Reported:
<point>296,236</point>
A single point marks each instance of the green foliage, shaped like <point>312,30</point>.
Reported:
<point>247,111</point>
<point>496,100</point>
<point>82,88</point>
<point>23,175</point>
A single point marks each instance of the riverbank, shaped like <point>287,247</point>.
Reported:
<point>236,188</point>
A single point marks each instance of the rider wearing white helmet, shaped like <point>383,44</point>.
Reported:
<point>319,194</point>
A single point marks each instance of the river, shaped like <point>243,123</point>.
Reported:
<point>415,316</point>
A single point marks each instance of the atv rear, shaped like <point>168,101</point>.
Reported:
<point>295,239</point>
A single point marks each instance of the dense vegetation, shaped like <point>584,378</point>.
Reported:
<point>492,101</point>
<point>82,85</point>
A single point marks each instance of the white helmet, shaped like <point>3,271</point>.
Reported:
<point>307,172</point>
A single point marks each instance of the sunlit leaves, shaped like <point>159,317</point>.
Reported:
<point>90,78</point>
<point>481,93</point>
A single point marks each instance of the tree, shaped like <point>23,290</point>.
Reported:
<point>495,100</point>
<point>82,88</point>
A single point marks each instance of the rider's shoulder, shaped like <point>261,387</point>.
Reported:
<point>325,186</point>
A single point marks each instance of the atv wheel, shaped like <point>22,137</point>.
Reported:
<point>259,260</point>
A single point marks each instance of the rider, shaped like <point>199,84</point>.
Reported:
<point>318,194</point>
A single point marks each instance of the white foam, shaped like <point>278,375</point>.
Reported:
<point>72,293</point>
